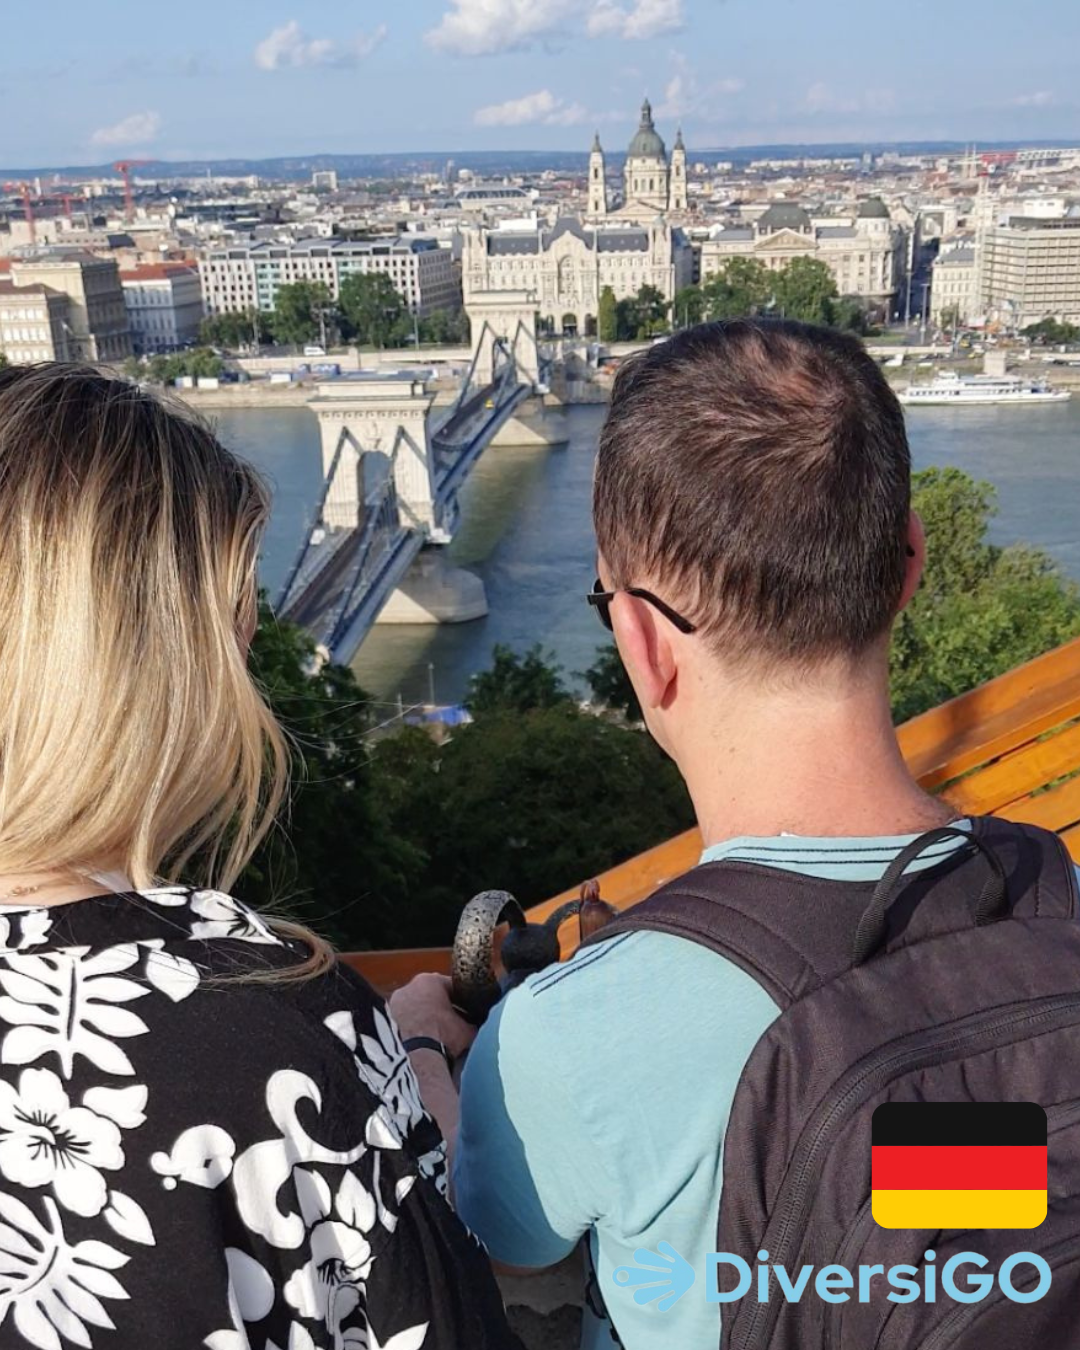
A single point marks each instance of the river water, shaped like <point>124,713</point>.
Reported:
<point>526,529</point>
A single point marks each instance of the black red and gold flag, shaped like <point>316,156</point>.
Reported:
<point>959,1165</point>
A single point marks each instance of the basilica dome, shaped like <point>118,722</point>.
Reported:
<point>647,142</point>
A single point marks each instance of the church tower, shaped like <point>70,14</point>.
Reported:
<point>646,171</point>
<point>597,181</point>
<point>678,174</point>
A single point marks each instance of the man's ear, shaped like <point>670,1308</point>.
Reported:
<point>916,559</point>
<point>645,647</point>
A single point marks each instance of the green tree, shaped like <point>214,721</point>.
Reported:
<point>742,286</point>
<point>516,683</point>
<point>531,802</point>
<point>1053,331</point>
<point>981,609</point>
<point>300,311</point>
<point>805,289</point>
<point>610,685</point>
<point>372,306</point>
<point>201,363</point>
<point>642,315</point>
<point>950,317</point>
<point>652,311</point>
<point>445,327</point>
<point>688,307</point>
<point>241,329</point>
<point>607,321</point>
<point>849,315</point>
<point>3,360</point>
<point>336,862</point>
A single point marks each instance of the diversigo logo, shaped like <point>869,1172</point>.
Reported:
<point>663,1277</point>
<point>939,1166</point>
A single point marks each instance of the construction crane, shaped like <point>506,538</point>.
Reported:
<point>23,190</point>
<point>124,168</point>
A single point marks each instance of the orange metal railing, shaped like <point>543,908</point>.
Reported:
<point>1008,748</point>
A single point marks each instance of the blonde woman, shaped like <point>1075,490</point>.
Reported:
<point>210,1134</point>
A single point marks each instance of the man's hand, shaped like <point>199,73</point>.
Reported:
<point>423,1008</point>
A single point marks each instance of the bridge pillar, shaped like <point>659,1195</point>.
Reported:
<point>504,314</point>
<point>384,415</point>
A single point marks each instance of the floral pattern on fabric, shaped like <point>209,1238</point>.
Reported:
<point>163,1132</point>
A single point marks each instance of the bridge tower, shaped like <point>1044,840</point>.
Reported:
<point>511,316</point>
<point>375,423</point>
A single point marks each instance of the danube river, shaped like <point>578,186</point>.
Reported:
<point>526,530</point>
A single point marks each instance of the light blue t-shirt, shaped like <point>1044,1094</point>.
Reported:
<point>596,1097</point>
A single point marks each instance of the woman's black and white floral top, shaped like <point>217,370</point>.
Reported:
<point>188,1159</point>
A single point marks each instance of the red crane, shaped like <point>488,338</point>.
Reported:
<point>23,190</point>
<point>124,167</point>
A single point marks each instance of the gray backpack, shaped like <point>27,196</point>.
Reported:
<point>956,983</point>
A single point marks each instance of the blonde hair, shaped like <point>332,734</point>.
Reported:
<point>132,735</point>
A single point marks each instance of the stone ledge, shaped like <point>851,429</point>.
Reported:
<point>545,1309</point>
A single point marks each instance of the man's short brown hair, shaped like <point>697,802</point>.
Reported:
<point>759,471</point>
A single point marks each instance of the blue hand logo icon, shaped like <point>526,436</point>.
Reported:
<point>655,1274</point>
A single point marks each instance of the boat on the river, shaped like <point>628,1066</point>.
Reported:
<point>953,390</point>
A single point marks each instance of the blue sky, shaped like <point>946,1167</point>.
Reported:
<point>218,78</point>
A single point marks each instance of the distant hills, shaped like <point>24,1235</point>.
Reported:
<point>490,162</point>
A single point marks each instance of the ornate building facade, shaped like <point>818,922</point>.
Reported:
<point>566,267</point>
<point>866,253</point>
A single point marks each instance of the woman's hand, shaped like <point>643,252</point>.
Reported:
<point>423,1008</point>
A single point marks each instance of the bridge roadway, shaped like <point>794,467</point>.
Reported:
<point>345,577</point>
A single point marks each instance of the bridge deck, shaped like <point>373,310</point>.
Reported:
<point>339,585</point>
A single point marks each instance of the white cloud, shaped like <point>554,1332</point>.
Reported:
<point>483,27</point>
<point>139,129</point>
<point>642,19</point>
<point>687,95</point>
<point>290,47</point>
<point>541,108</point>
<point>1042,99</point>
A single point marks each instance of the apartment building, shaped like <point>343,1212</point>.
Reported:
<point>33,323</point>
<point>953,294</point>
<point>95,320</point>
<point>164,306</point>
<point>239,277</point>
<point>1028,269</point>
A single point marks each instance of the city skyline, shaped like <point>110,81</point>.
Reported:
<point>473,75</point>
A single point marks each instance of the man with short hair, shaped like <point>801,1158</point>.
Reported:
<point>756,543</point>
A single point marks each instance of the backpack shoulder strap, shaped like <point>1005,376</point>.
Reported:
<point>1041,875</point>
<point>714,905</point>
<point>793,932</point>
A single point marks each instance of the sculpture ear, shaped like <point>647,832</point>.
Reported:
<point>594,913</point>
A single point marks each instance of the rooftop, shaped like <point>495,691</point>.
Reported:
<point>605,239</point>
<point>157,272</point>
<point>784,216</point>
<point>957,257</point>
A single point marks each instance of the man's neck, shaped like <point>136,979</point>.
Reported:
<point>817,765</point>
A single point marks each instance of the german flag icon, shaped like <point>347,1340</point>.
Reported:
<point>959,1165</point>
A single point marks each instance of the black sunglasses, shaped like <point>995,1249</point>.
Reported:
<point>601,602</point>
